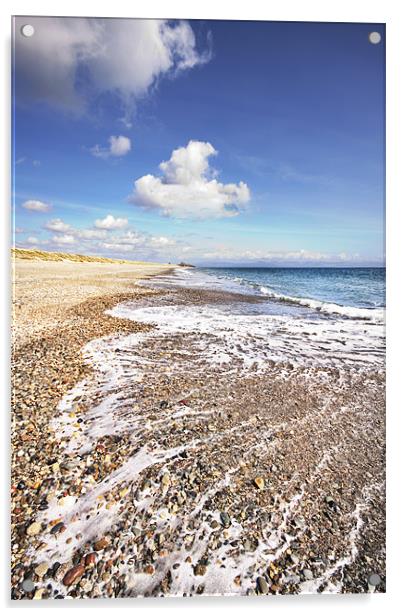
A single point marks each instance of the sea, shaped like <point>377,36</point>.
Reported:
<point>332,317</point>
<point>349,291</point>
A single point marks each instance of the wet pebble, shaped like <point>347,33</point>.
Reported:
<point>73,575</point>
<point>58,528</point>
<point>101,544</point>
<point>90,560</point>
<point>200,569</point>
<point>34,529</point>
<point>41,569</point>
<point>262,585</point>
<point>225,519</point>
<point>259,482</point>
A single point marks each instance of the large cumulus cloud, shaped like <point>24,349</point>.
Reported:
<point>188,187</point>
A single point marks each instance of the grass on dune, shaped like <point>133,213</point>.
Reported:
<point>42,255</point>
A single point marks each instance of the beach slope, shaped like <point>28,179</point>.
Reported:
<point>59,302</point>
<point>175,439</point>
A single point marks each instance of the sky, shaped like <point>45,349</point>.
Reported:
<point>208,142</point>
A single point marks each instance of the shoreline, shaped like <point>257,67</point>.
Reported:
<point>199,422</point>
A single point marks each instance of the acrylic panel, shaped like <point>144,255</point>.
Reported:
<point>198,373</point>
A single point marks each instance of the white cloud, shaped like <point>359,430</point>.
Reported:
<point>188,188</point>
<point>91,234</point>
<point>57,225</point>
<point>132,238</point>
<point>162,242</point>
<point>127,241</point>
<point>116,247</point>
<point>71,60</point>
<point>140,245</point>
<point>226,254</point>
<point>63,239</point>
<point>135,238</point>
<point>23,159</point>
<point>108,240</point>
<point>36,206</point>
<point>118,146</point>
<point>110,222</point>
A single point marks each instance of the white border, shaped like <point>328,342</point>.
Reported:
<point>285,10</point>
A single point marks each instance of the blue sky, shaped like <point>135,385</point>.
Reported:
<point>211,142</point>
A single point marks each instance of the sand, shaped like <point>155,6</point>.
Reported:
<point>45,291</point>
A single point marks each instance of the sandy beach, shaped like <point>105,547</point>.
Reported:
<point>159,451</point>
<point>45,292</point>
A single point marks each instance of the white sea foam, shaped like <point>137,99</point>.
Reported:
<point>255,339</point>
<point>353,312</point>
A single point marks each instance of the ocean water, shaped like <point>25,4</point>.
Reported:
<point>362,287</point>
<point>310,317</point>
<point>348,292</point>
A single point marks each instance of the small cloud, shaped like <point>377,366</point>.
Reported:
<point>134,240</point>
<point>110,222</point>
<point>188,187</point>
<point>36,206</point>
<point>162,242</point>
<point>91,234</point>
<point>57,225</point>
<point>23,159</point>
<point>126,122</point>
<point>32,240</point>
<point>118,146</point>
<point>19,230</point>
<point>62,240</point>
<point>130,238</point>
<point>115,246</point>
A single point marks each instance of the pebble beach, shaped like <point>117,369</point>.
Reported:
<point>162,446</point>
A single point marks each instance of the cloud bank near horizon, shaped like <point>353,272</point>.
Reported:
<point>113,237</point>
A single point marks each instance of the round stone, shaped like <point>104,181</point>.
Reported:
<point>262,585</point>
<point>374,579</point>
<point>33,529</point>
<point>28,585</point>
